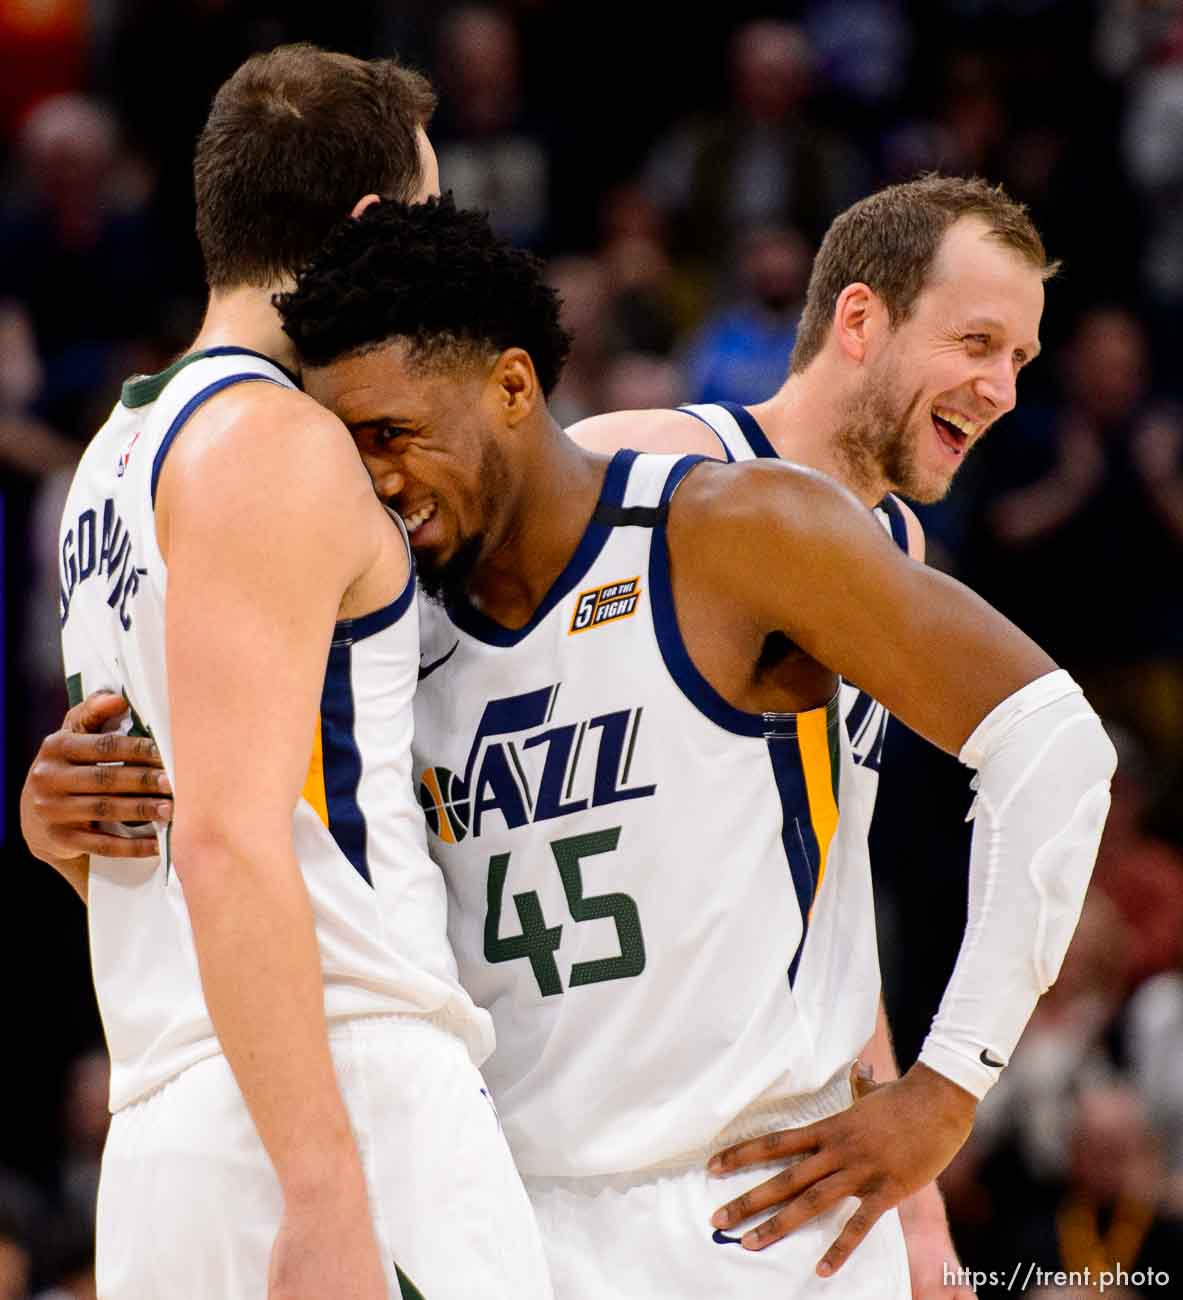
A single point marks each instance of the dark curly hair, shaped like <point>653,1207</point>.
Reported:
<point>433,275</point>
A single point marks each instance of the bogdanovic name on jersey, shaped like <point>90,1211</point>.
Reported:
<point>100,551</point>
<point>378,902</point>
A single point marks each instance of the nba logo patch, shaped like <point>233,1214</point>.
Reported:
<point>123,460</point>
<point>606,604</point>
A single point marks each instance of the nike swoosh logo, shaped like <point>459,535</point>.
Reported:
<point>425,670</point>
<point>987,1059</point>
<point>720,1238</point>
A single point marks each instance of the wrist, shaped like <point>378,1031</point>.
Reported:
<point>946,1102</point>
<point>324,1172</point>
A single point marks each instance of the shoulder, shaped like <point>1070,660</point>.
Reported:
<point>259,426</point>
<point>261,452</point>
<point>751,505</point>
<point>661,431</point>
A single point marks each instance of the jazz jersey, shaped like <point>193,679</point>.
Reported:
<point>657,895</point>
<point>741,438</point>
<point>378,901</point>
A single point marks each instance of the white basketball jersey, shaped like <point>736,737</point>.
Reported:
<point>379,902</point>
<point>866,719</point>
<point>656,894</point>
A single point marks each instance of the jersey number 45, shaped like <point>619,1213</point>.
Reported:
<point>538,942</point>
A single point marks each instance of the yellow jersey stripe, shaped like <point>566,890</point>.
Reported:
<point>813,739</point>
<point>314,783</point>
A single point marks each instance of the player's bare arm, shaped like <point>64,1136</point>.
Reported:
<point>836,592</point>
<point>250,514</point>
<point>83,777</point>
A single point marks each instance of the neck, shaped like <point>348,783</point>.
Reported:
<point>244,317</point>
<point>804,420</point>
<point>556,490</point>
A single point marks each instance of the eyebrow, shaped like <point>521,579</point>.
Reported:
<point>990,323</point>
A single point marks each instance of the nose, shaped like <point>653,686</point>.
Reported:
<point>998,386</point>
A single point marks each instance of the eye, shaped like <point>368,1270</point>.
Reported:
<point>978,344</point>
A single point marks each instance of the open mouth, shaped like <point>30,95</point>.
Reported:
<point>418,518</point>
<point>950,433</point>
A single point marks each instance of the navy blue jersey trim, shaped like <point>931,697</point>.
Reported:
<point>703,420</point>
<point>233,351</point>
<point>342,760</point>
<point>677,659</point>
<point>757,438</point>
<point>357,629</point>
<point>482,628</point>
<point>198,398</point>
<point>895,517</point>
<point>797,834</point>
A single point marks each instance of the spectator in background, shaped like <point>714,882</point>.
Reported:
<point>1154,1043</point>
<point>489,154</point>
<point>1138,870</point>
<point>1090,501</point>
<point>1109,1210</point>
<point>765,161</point>
<point>741,353</point>
<point>584,287</point>
<point>42,53</point>
<point>1152,145</point>
<point>15,1257</point>
<point>76,249</point>
<point>85,1120</point>
<point>640,381</point>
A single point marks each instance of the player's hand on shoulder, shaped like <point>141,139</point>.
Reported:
<point>83,776</point>
<point>886,1146</point>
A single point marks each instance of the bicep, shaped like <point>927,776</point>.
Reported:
<point>931,651</point>
<point>255,582</point>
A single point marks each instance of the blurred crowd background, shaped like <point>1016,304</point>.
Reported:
<point>677,167</point>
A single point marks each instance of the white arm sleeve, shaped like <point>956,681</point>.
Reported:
<point>1044,765</point>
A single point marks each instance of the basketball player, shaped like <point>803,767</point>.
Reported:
<point>629,749</point>
<point>294,1080</point>
<point>938,203</point>
<point>937,253</point>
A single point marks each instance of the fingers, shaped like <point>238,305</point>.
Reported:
<point>109,747</point>
<point>857,1226</point>
<point>98,709</point>
<point>795,1182</point>
<point>113,808</point>
<point>76,840</point>
<point>814,1200</point>
<point>759,1151</point>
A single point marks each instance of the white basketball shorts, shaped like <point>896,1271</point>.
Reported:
<point>648,1236</point>
<point>189,1204</point>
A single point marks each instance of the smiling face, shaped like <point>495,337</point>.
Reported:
<point>935,383</point>
<point>428,434</point>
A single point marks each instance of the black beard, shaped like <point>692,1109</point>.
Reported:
<point>447,583</point>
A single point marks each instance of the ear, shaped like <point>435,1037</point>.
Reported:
<point>360,206</point>
<point>516,384</point>
<point>859,314</point>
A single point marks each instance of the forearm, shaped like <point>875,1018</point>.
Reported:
<point>1044,765</point>
<point>261,976</point>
